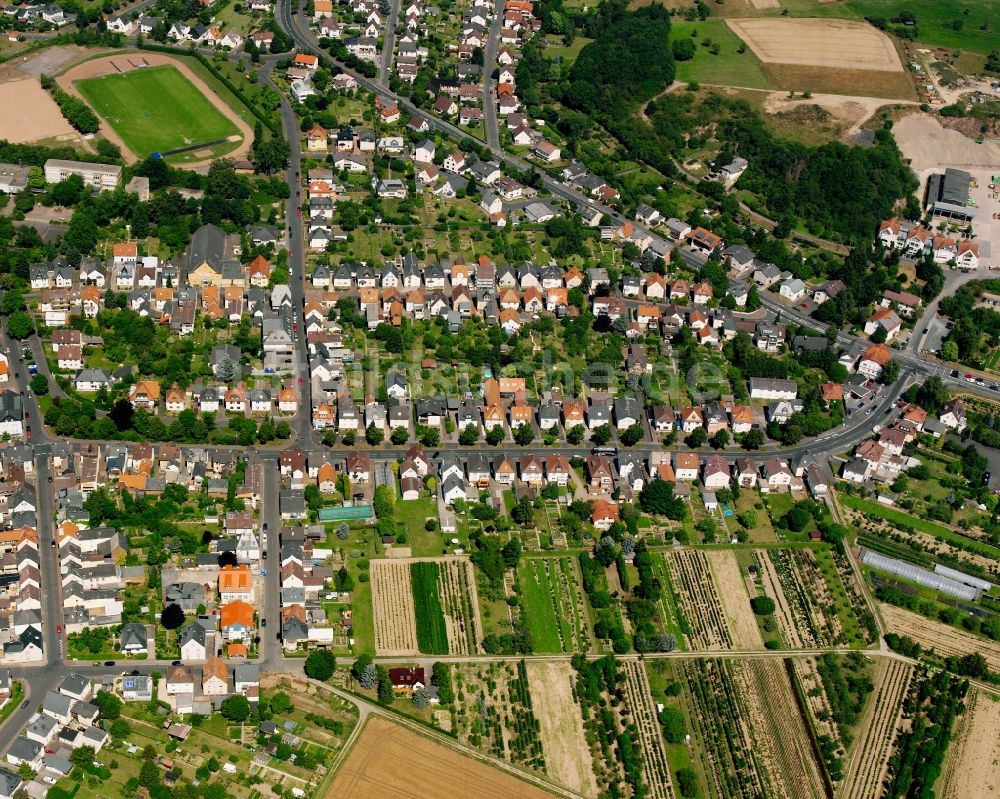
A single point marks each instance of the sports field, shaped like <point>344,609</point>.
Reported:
<point>157,109</point>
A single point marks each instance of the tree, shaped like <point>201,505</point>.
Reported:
<point>149,774</point>
<point>120,729</point>
<point>421,698</point>
<point>762,605</point>
<point>575,434</point>
<point>748,518</point>
<point>172,616</point>
<point>109,704</point>
<point>949,351</point>
<point>524,435</point>
<point>683,49</point>
<point>687,782</point>
<point>40,385</point>
<point>606,551</point>
<point>797,518</point>
<point>696,438</point>
<point>19,325</point>
<point>495,435</point>
<point>280,703</point>
<point>368,677</point>
<point>674,729</point>
<point>236,708</point>
<point>384,502</point>
<point>360,662</point>
<point>631,435</point>
<point>320,665</point>
<point>374,435</point>
<point>385,691</point>
<point>83,756</point>
<point>753,439</point>
<point>657,496</point>
<point>601,435</point>
<point>469,435</point>
<point>890,373</point>
<point>399,436</point>
<point>720,440</point>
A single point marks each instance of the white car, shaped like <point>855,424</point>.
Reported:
<point>49,780</point>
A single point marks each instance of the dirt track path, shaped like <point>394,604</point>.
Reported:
<point>99,67</point>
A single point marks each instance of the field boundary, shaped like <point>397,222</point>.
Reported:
<point>104,65</point>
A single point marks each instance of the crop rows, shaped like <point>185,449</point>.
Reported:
<point>871,752</point>
<point>496,714</point>
<point>778,730</point>
<point>720,721</point>
<point>699,599</point>
<point>392,598</point>
<point>808,596</point>
<point>454,585</point>
<point>552,600</point>
<point>432,633</point>
<point>638,700</point>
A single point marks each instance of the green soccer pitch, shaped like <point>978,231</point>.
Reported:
<point>157,109</point>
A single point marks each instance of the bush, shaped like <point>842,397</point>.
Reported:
<point>762,605</point>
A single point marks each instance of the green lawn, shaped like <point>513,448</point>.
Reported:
<point>157,109</point>
<point>729,67</point>
<point>537,595</point>
<point>940,532</point>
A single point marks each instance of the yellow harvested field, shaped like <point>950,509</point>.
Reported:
<point>974,767</point>
<point>567,756</point>
<point>943,639</point>
<point>735,600</point>
<point>391,762</point>
<point>30,114</point>
<point>392,599</point>
<point>832,43</point>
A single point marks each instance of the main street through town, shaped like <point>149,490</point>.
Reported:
<point>56,666</point>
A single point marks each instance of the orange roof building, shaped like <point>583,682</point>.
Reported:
<point>236,582</point>
<point>236,613</point>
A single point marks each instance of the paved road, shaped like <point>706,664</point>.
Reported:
<point>489,84</point>
<point>388,43</point>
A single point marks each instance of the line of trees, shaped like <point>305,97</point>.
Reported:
<point>76,111</point>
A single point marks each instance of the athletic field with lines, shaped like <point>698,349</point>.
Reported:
<point>157,109</point>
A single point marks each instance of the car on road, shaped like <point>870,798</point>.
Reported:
<point>986,477</point>
<point>53,543</point>
<point>49,780</point>
<point>994,386</point>
<point>263,572</point>
<point>969,378</point>
<point>58,628</point>
<point>263,622</point>
<point>109,663</point>
<point>175,663</point>
<point>25,703</point>
<point>925,331</point>
<point>265,554</point>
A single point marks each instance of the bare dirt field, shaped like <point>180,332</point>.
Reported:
<point>390,762</point>
<point>757,5</point>
<point>928,145</point>
<point>852,111</point>
<point>974,767</point>
<point>30,114</point>
<point>112,64</point>
<point>567,756</point>
<point>735,600</point>
<point>819,43</point>
<point>392,600</point>
<point>944,640</point>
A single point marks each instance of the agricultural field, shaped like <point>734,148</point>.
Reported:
<point>750,737</point>
<point>699,600</point>
<point>620,723</point>
<point>432,634</point>
<point>973,767</point>
<point>157,109</point>
<point>494,713</point>
<point>552,604</point>
<point>812,606</point>
<point>391,762</point>
<point>734,64</point>
<point>392,600</point>
<point>735,599</point>
<point>867,766</point>
<point>943,639</point>
<point>567,756</point>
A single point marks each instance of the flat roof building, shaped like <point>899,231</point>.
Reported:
<point>99,176</point>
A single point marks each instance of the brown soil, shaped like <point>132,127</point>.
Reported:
<point>567,756</point>
<point>975,766</point>
<point>829,43</point>
<point>30,114</point>
<point>391,762</point>
<point>944,640</point>
<point>392,600</point>
<point>735,600</point>
<point>99,67</point>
